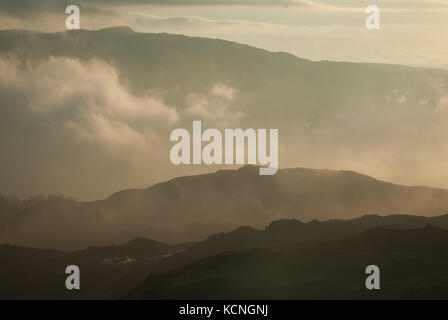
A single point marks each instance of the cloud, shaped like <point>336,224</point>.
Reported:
<point>217,108</point>
<point>75,120</point>
<point>30,7</point>
<point>143,22</point>
<point>223,90</point>
<point>389,4</point>
<point>72,127</point>
<point>400,140</point>
<point>83,91</point>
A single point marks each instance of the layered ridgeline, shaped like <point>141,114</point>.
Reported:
<point>67,126</point>
<point>294,259</point>
<point>413,265</point>
<point>193,207</point>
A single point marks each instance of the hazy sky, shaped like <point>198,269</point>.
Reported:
<point>413,32</point>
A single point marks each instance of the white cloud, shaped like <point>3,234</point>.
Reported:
<point>223,90</point>
<point>90,94</point>
<point>218,107</point>
<point>77,121</point>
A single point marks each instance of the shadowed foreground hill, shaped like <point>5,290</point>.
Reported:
<point>106,272</point>
<point>191,208</point>
<point>283,233</point>
<point>110,272</point>
<point>413,264</point>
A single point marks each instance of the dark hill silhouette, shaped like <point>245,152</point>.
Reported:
<point>284,233</point>
<point>191,208</point>
<point>138,247</point>
<point>106,272</point>
<point>276,234</point>
<point>111,271</point>
<point>398,221</point>
<point>413,264</point>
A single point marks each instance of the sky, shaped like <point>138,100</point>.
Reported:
<point>412,32</point>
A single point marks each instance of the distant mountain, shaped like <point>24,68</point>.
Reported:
<point>413,264</point>
<point>384,115</point>
<point>177,65</point>
<point>191,208</point>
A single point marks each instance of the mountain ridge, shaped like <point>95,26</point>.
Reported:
<point>112,271</point>
<point>412,263</point>
<point>190,208</point>
<point>125,29</point>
